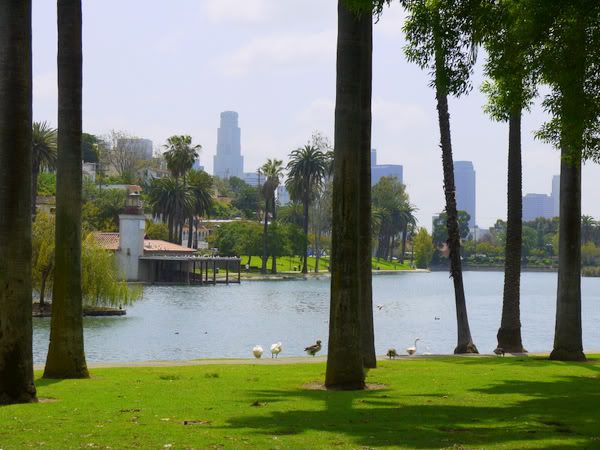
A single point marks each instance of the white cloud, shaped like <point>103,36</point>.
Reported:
<point>246,11</point>
<point>280,51</point>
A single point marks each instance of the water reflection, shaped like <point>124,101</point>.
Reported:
<point>181,322</point>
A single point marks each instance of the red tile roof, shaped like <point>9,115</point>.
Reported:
<point>111,241</point>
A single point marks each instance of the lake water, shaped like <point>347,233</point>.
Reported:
<point>186,322</point>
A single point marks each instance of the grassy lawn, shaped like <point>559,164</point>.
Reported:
<point>428,403</point>
<point>287,264</point>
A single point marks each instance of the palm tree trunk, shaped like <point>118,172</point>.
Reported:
<point>345,354</point>
<point>568,344</point>
<point>190,232</point>
<point>16,359</point>
<point>364,199</point>
<point>45,274</point>
<point>306,204</point>
<point>274,218</point>
<point>509,334</point>
<point>170,226</point>
<point>265,231</point>
<point>404,237</point>
<point>465,342</point>
<point>66,356</point>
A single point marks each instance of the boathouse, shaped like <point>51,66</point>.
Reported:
<point>156,261</point>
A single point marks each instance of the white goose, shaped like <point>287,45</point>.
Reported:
<point>276,349</point>
<point>412,350</point>
<point>257,351</point>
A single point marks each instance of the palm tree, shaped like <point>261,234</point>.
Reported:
<point>173,201</point>
<point>440,39</point>
<point>306,173</point>
<point>350,331</point>
<point>66,356</point>
<point>43,155</point>
<point>273,171</point>
<point>511,87</point>
<point>201,185</point>
<point>16,359</point>
<point>408,221</point>
<point>180,154</point>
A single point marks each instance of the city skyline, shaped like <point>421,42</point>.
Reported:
<point>275,65</point>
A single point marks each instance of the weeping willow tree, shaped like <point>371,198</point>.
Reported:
<point>101,282</point>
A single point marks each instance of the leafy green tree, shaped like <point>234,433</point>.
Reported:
<point>272,171</point>
<point>101,282</point>
<point>238,238</point>
<point>46,184</point>
<point>16,360</point>
<point>440,36</point>
<point>423,248</point>
<point>42,241</point>
<point>101,208</point>
<point>43,155</point>
<point>89,147</point>
<point>307,169</point>
<point>246,201</point>
<point>440,230</point>
<point>66,356</point>
<point>157,231</point>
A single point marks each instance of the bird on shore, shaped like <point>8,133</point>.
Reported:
<point>257,351</point>
<point>412,350</point>
<point>276,349</point>
<point>392,353</point>
<point>313,349</point>
<point>499,351</point>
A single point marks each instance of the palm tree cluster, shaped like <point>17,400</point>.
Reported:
<point>186,195</point>
<point>393,216</point>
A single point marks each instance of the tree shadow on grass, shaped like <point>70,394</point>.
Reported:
<point>557,414</point>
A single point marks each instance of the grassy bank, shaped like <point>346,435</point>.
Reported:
<point>294,264</point>
<point>428,403</point>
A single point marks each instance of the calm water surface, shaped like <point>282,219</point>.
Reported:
<point>181,322</point>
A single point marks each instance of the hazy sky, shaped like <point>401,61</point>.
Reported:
<point>156,68</point>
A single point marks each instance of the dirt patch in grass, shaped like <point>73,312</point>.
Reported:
<point>47,400</point>
<point>318,386</point>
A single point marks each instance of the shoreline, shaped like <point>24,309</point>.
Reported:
<point>288,360</point>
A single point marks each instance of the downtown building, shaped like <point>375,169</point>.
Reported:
<point>464,181</point>
<point>543,205</point>
<point>384,170</point>
<point>229,162</point>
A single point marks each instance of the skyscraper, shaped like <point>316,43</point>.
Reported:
<point>229,162</point>
<point>464,179</point>
<point>384,170</point>
<point>537,205</point>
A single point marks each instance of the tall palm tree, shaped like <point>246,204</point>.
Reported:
<point>511,87</point>
<point>201,185</point>
<point>440,39</point>
<point>173,201</point>
<point>16,359</point>
<point>43,156</point>
<point>306,173</point>
<point>66,356</point>
<point>407,221</point>
<point>348,330</point>
<point>180,154</point>
<point>273,171</point>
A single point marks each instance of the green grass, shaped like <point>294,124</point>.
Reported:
<point>287,264</point>
<point>428,403</point>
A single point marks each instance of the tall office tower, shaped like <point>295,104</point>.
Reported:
<point>556,196</point>
<point>373,157</point>
<point>229,162</point>
<point>464,179</point>
<point>537,205</point>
